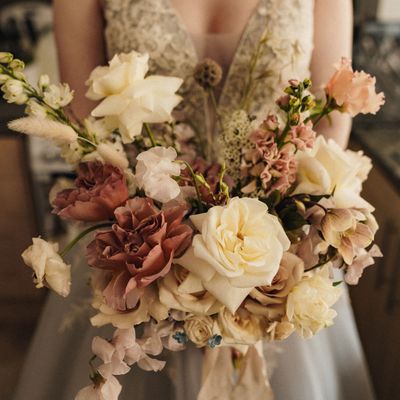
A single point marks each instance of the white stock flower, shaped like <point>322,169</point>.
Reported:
<point>130,96</point>
<point>45,128</point>
<point>154,170</point>
<point>49,268</point>
<point>98,128</point>
<point>239,247</point>
<point>309,303</point>
<point>34,109</point>
<point>14,91</point>
<point>327,168</point>
<point>58,96</point>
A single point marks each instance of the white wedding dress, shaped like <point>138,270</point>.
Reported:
<point>329,366</point>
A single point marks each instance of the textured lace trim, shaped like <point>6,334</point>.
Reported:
<point>153,26</point>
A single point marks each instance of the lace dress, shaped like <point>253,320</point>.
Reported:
<point>328,367</point>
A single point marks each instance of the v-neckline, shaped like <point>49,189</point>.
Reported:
<point>181,23</point>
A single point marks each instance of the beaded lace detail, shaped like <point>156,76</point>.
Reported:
<point>153,26</point>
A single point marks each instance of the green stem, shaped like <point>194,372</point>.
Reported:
<point>74,241</point>
<point>196,185</point>
<point>321,264</point>
<point>150,135</point>
<point>215,105</point>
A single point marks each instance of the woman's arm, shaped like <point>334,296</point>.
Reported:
<point>79,34</point>
<point>333,37</point>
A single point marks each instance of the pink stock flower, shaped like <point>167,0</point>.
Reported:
<point>354,91</point>
<point>303,136</point>
<point>100,189</point>
<point>138,249</point>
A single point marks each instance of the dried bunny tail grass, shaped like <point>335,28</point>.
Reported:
<point>113,155</point>
<point>44,128</point>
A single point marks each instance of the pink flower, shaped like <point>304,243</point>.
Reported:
<point>303,136</point>
<point>138,249</point>
<point>363,260</point>
<point>353,91</point>
<point>100,189</point>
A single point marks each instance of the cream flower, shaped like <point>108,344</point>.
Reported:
<point>309,303</point>
<point>49,268</point>
<point>58,96</point>
<point>199,329</point>
<point>240,246</point>
<point>279,330</point>
<point>14,91</point>
<point>241,327</point>
<point>180,290</point>
<point>154,170</point>
<point>327,168</point>
<point>130,98</point>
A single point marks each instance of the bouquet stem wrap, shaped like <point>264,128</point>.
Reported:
<point>221,381</point>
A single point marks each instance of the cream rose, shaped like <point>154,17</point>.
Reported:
<point>240,246</point>
<point>49,268</point>
<point>180,290</point>
<point>327,168</point>
<point>310,301</point>
<point>199,329</point>
<point>241,327</point>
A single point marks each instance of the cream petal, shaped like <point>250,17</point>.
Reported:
<point>222,289</point>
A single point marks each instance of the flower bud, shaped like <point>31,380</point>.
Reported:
<point>44,81</point>
<point>294,83</point>
<point>14,91</point>
<point>17,65</point>
<point>3,78</point>
<point>5,57</point>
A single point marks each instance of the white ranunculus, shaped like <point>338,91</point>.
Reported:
<point>309,303</point>
<point>239,247</point>
<point>58,96</point>
<point>130,98</point>
<point>49,268</point>
<point>154,170</point>
<point>14,91</point>
<point>327,168</point>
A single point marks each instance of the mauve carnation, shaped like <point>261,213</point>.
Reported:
<point>100,189</point>
<point>138,249</point>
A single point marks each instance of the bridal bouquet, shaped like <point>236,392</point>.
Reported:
<point>221,244</point>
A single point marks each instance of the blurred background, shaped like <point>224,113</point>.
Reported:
<point>28,168</point>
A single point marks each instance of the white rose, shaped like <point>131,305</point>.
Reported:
<point>327,168</point>
<point>199,329</point>
<point>57,96</point>
<point>239,247</point>
<point>14,91</point>
<point>129,97</point>
<point>154,170</point>
<point>239,328</point>
<point>309,303</point>
<point>48,266</point>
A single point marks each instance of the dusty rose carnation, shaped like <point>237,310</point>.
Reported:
<point>354,91</point>
<point>100,189</point>
<point>138,249</point>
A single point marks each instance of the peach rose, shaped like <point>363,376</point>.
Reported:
<point>354,91</point>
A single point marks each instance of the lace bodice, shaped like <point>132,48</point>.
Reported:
<point>153,26</point>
